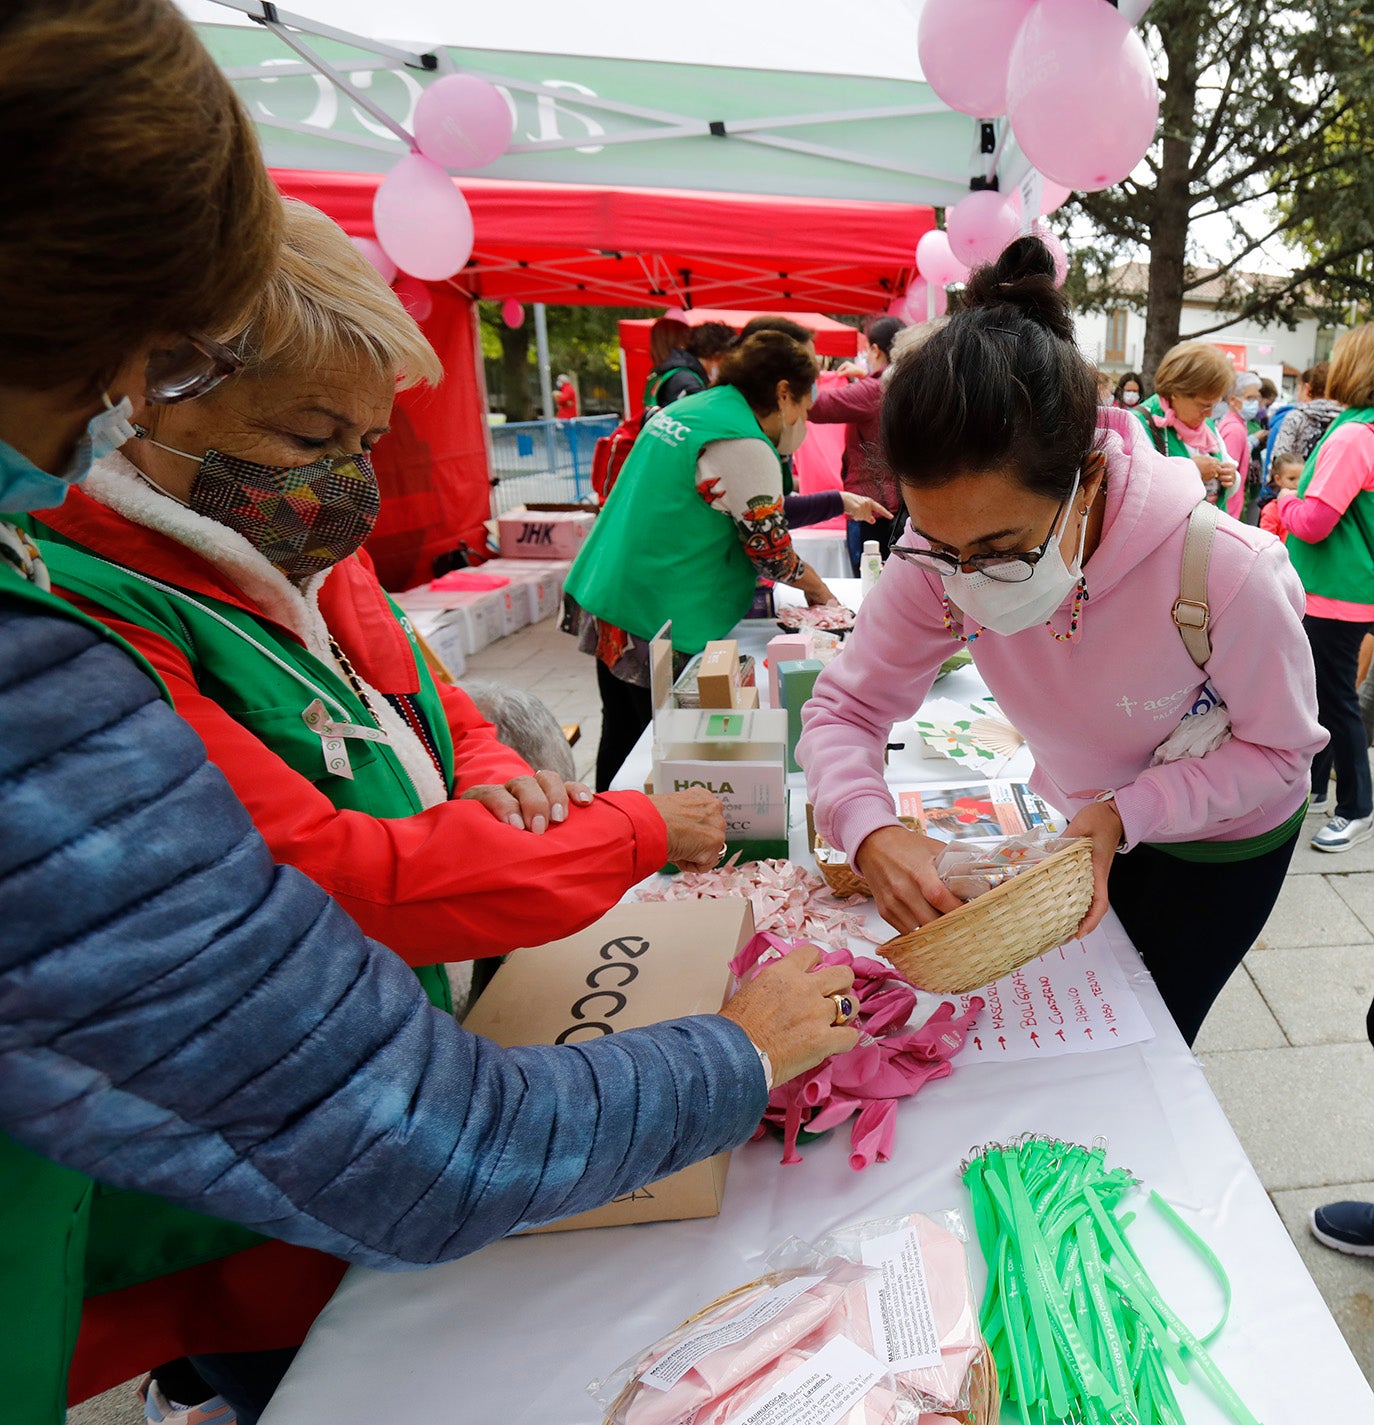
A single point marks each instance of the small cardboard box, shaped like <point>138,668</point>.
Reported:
<point>547,534</point>
<point>672,960</point>
<point>718,675</point>
<point>786,648</point>
<point>753,794</point>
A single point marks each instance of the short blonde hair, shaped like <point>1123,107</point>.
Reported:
<point>1350,379</point>
<point>326,302</point>
<point>1194,368</point>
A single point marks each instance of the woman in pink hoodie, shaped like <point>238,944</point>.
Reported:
<point>1024,498</point>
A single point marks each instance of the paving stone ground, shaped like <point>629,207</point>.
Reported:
<point>1284,1049</point>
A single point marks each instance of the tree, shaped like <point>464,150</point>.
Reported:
<point>582,340</point>
<point>1267,124</point>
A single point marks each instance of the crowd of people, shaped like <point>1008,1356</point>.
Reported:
<point>229,927</point>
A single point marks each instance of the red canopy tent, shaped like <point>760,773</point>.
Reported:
<point>574,244</point>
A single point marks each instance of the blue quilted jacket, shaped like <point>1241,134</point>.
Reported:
<point>181,1016</point>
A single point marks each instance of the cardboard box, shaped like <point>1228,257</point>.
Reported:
<point>797,681</point>
<point>445,639</point>
<point>718,674</point>
<point>537,583</point>
<point>672,960</point>
<point>754,794</point>
<point>546,534</point>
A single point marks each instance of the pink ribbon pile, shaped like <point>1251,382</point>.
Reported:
<point>889,1062</point>
<point>787,899</point>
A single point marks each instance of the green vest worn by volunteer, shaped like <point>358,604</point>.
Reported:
<point>658,551</point>
<point>1341,566</point>
<point>1173,445</point>
<point>63,1236</point>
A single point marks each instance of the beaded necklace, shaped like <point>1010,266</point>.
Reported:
<point>1075,617</point>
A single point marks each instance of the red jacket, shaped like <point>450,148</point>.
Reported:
<point>449,883</point>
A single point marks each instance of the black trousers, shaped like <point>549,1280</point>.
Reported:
<point>246,1379</point>
<point>1336,653</point>
<point>1193,921</point>
<point>626,710</point>
<point>857,535</point>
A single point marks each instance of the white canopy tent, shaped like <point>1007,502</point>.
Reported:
<point>808,100</point>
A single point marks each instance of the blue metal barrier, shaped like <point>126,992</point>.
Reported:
<point>546,462</point>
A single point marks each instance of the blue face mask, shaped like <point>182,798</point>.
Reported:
<point>1249,409</point>
<point>23,486</point>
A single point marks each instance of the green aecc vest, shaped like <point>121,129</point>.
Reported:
<point>1341,566</point>
<point>658,551</point>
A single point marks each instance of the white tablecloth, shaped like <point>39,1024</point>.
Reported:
<point>513,1333</point>
<point>825,550</point>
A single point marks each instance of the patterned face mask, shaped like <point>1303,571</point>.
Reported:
<point>302,519</point>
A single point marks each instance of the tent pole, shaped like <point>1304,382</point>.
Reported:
<point>541,343</point>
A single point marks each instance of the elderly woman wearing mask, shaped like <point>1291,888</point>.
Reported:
<point>179,1017</point>
<point>225,544</point>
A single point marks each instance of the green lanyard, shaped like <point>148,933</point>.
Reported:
<point>1079,1333</point>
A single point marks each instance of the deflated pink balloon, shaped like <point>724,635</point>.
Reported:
<point>512,313</point>
<point>422,220</point>
<point>1081,97</point>
<point>462,122</point>
<point>982,224</point>
<point>935,259</point>
<point>964,48</point>
<point>372,250</point>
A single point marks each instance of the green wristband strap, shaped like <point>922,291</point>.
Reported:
<point>1207,1255</point>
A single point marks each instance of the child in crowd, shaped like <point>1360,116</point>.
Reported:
<point>1284,474</point>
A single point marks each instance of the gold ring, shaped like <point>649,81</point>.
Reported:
<point>724,847</point>
<point>845,1010</point>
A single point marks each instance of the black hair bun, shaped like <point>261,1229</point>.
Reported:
<point>1023,277</point>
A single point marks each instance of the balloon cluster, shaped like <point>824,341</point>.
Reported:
<point>1074,81</point>
<point>422,221</point>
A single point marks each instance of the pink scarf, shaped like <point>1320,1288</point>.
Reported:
<point>1200,439</point>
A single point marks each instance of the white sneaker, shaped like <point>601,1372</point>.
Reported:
<point>1340,834</point>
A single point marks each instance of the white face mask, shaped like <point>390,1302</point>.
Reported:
<point>793,433</point>
<point>1013,608</point>
<point>1131,398</point>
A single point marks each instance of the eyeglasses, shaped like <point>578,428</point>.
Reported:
<point>1014,566</point>
<point>195,365</point>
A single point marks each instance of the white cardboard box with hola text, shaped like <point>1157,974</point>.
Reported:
<point>670,960</point>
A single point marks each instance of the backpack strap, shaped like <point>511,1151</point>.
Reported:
<point>1191,611</point>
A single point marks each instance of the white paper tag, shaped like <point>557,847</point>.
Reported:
<point>899,1306</point>
<point>332,735</point>
<point>821,1391</point>
<point>666,1373</point>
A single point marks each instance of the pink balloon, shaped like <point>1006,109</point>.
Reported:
<point>415,297</point>
<point>422,220</point>
<point>462,122</point>
<point>1052,197</point>
<point>980,226</point>
<point>372,250</point>
<point>1051,239</point>
<point>916,306</point>
<point>512,313</point>
<point>1081,97</point>
<point>964,48</point>
<point>935,259</point>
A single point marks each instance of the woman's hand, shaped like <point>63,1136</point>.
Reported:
<point>1100,822</point>
<point>814,587</point>
<point>852,370</point>
<point>899,866</point>
<point>531,803</point>
<point>863,510</point>
<point>696,827</point>
<point>786,1010</point>
<point>1208,466</point>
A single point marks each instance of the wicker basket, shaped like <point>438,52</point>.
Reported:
<point>841,876</point>
<point>997,933</point>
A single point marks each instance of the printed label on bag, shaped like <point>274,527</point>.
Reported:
<point>666,1373</point>
<point>899,1306</point>
<point>821,1392</point>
